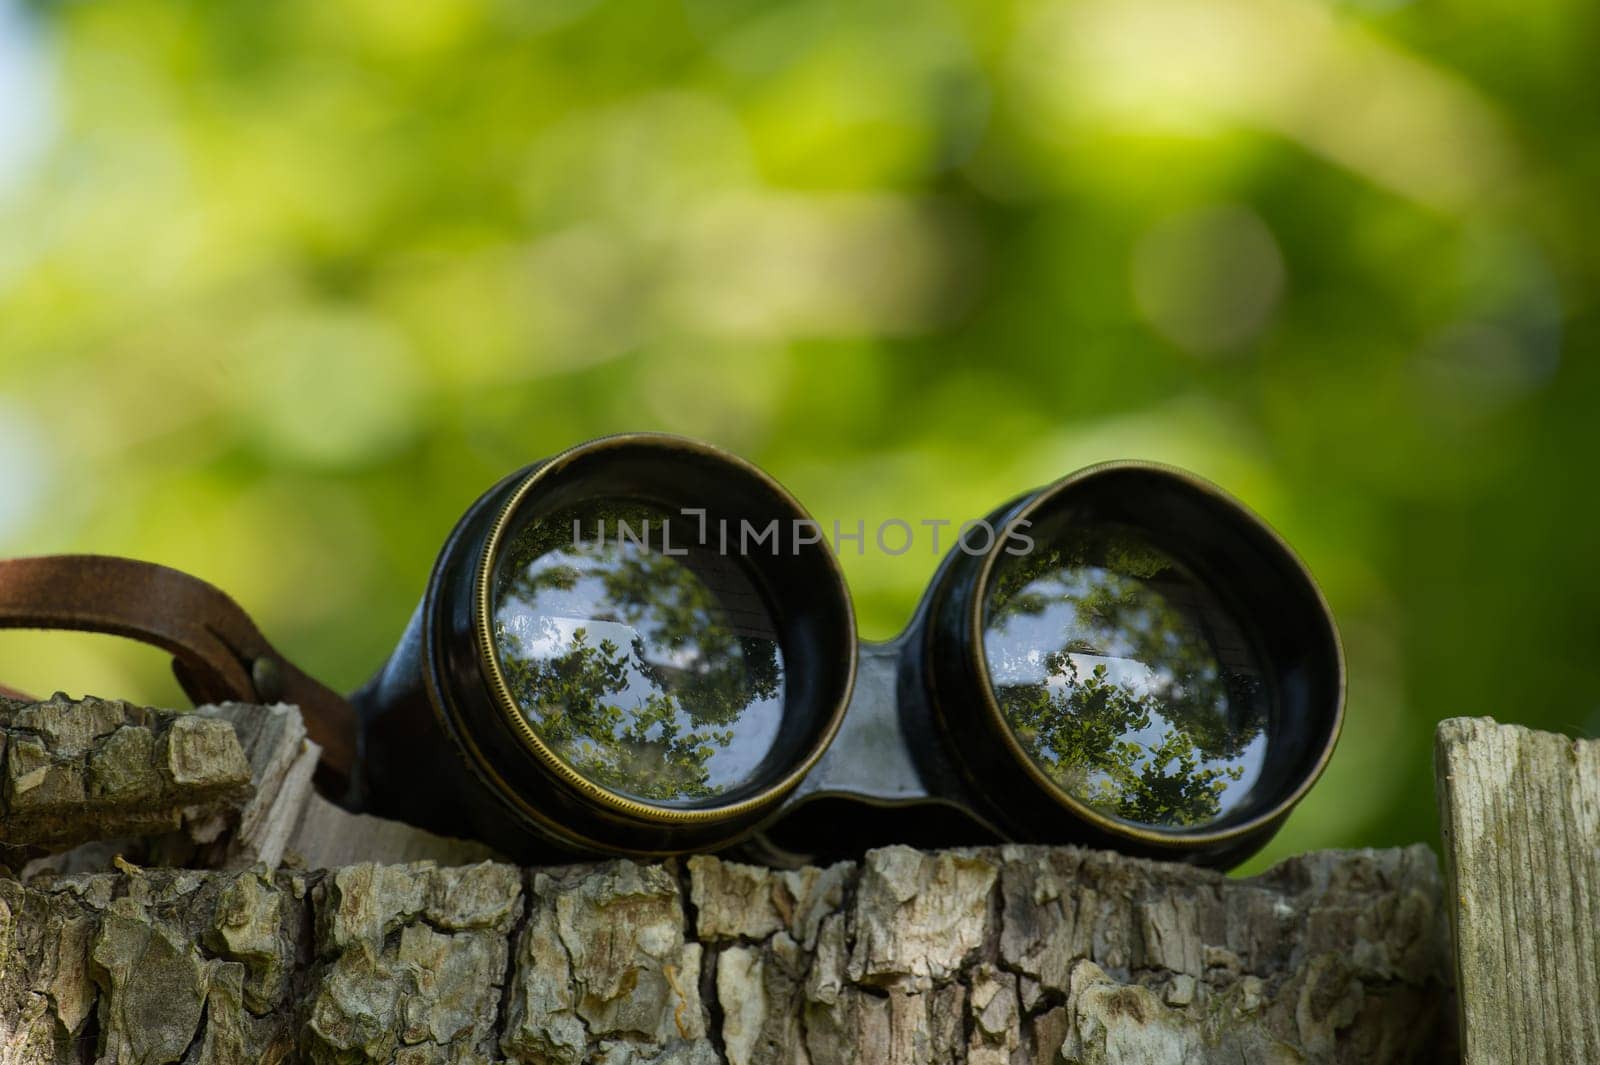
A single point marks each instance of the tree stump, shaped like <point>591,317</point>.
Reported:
<point>978,955</point>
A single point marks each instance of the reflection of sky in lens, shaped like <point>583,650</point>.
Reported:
<point>1110,683</point>
<point>1130,672</point>
<point>652,677</point>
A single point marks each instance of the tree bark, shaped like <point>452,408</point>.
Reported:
<point>987,955</point>
<point>99,769</point>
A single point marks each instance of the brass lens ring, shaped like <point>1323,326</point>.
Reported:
<point>841,630</point>
<point>1233,528</point>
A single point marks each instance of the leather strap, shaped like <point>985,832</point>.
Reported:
<point>219,654</point>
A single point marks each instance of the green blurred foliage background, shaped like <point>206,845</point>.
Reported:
<point>284,286</point>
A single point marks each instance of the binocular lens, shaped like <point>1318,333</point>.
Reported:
<point>647,663</point>
<point>1125,679</point>
<point>640,654</point>
<point>1151,655</point>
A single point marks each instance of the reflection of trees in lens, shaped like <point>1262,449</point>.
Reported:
<point>1143,699</point>
<point>642,715</point>
<point>640,750</point>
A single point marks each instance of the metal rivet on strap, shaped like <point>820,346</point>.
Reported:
<point>267,676</point>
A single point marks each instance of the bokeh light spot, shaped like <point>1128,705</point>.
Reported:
<point>332,388</point>
<point>1209,279</point>
<point>23,468</point>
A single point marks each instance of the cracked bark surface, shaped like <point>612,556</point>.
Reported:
<point>991,955</point>
<point>73,771</point>
<point>998,955</point>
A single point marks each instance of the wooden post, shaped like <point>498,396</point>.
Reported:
<point>1520,812</point>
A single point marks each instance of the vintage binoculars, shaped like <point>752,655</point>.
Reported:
<point>645,646</point>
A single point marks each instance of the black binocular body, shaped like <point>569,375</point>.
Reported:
<point>1127,658</point>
